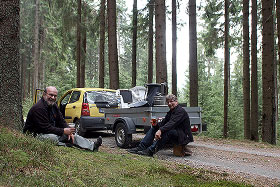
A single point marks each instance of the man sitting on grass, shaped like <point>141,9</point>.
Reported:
<point>45,121</point>
<point>174,129</point>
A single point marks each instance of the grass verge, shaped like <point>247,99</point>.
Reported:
<point>26,161</point>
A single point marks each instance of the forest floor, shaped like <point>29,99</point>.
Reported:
<point>248,162</point>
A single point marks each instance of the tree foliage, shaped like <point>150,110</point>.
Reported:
<point>57,35</point>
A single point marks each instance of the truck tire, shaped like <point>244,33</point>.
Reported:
<point>79,129</point>
<point>123,139</point>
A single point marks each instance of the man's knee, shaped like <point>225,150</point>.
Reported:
<point>52,137</point>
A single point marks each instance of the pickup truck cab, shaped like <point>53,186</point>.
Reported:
<point>84,107</point>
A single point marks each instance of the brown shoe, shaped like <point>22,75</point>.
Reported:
<point>188,152</point>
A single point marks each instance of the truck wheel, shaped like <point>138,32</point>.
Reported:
<point>122,138</point>
<point>79,129</point>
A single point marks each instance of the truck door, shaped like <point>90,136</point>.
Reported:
<point>37,96</point>
<point>63,103</point>
<point>73,108</point>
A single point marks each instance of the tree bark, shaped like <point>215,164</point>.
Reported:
<point>78,50</point>
<point>161,67</point>
<point>36,47</point>
<point>278,37</point>
<point>226,69</point>
<point>193,55</point>
<point>134,44</point>
<point>41,46</point>
<point>112,45</point>
<point>101,43</point>
<point>151,41</point>
<point>10,90</point>
<point>246,70</point>
<point>23,75</point>
<point>84,47</point>
<point>174,47</point>
<point>254,77</point>
<point>268,81</point>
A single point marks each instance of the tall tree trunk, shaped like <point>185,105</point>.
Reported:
<point>246,70</point>
<point>78,49</point>
<point>254,77</point>
<point>268,81</point>
<point>193,55</point>
<point>112,42</point>
<point>41,46</point>
<point>23,76</point>
<point>174,47</point>
<point>10,90</point>
<point>161,66</point>
<point>29,86</point>
<point>151,41</point>
<point>226,69</point>
<point>134,44</point>
<point>84,47</point>
<point>278,27</point>
<point>278,37</point>
<point>36,47</point>
<point>101,43</point>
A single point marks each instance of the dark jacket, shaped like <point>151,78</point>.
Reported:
<point>178,119</point>
<point>44,119</point>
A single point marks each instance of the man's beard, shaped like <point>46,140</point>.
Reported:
<point>50,103</point>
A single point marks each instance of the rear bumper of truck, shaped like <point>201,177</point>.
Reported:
<point>93,123</point>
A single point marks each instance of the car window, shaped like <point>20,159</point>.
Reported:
<point>75,97</point>
<point>101,96</point>
<point>65,100</point>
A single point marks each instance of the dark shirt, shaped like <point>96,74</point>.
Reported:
<point>44,119</point>
<point>178,119</point>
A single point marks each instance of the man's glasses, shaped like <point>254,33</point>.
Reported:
<point>51,95</point>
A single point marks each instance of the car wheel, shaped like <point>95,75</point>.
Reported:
<point>123,139</point>
<point>79,129</point>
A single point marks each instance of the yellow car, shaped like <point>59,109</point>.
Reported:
<point>83,106</point>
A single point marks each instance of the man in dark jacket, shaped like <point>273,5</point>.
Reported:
<point>45,121</point>
<point>174,129</point>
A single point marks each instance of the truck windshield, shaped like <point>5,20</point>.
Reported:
<point>94,97</point>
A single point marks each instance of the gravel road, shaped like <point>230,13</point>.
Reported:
<point>252,163</point>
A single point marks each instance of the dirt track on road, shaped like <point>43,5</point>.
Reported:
<point>252,163</point>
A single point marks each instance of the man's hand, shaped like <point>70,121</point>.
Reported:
<point>158,135</point>
<point>69,131</point>
<point>72,137</point>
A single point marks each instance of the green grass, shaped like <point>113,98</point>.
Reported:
<point>26,161</point>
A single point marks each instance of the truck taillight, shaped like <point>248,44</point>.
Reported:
<point>85,110</point>
<point>153,122</point>
<point>194,128</point>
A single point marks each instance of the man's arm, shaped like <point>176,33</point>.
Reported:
<point>61,120</point>
<point>175,119</point>
<point>43,124</point>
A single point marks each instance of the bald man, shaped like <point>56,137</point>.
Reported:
<point>45,121</point>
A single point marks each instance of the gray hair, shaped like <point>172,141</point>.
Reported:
<point>46,89</point>
<point>171,97</point>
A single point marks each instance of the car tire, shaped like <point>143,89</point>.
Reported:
<point>123,139</point>
<point>79,129</point>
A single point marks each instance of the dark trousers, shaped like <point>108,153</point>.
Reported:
<point>169,137</point>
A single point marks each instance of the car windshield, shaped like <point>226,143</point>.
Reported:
<point>102,96</point>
